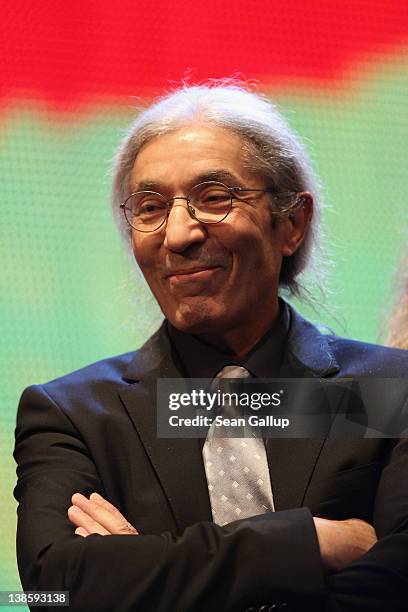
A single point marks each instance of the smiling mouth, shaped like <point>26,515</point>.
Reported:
<point>199,273</point>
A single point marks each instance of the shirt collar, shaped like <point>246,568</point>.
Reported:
<point>201,360</point>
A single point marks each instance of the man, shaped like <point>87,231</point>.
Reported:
<point>216,196</point>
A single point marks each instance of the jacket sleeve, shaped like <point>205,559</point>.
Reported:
<point>378,581</point>
<point>265,560</point>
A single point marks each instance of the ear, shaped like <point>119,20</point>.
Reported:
<point>297,223</point>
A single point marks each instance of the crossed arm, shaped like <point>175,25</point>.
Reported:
<point>203,567</point>
<point>340,542</point>
<point>206,567</point>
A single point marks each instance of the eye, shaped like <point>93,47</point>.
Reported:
<point>213,196</point>
<point>148,205</point>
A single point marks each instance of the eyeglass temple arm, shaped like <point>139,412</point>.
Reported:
<point>300,200</point>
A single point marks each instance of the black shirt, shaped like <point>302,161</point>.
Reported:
<point>201,360</point>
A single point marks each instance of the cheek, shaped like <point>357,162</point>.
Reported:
<point>250,227</point>
<point>144,252</point>
<point>256,245</point>
<point>258,264</point>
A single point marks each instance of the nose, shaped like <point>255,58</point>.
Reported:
<point>181,229</point>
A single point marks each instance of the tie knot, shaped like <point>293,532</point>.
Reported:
<point>233,371</point>
<point>230,382</point>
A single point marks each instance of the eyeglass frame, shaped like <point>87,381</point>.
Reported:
<point>299,201</point>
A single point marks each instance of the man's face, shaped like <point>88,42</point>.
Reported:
<point>208,279</point>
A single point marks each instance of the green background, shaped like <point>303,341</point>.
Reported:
<point>70,294</point>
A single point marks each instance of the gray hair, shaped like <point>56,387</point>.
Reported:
<point>270,147</point>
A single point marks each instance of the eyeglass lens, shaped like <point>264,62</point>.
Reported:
<point>208,202</point>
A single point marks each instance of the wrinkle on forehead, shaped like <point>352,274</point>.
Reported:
<point>207,152</point>
<point>219,175</point>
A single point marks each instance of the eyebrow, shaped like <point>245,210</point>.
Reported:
<point>220,175</point>
<point>147,186</point>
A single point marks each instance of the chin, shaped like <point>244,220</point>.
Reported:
<point>196,318</point>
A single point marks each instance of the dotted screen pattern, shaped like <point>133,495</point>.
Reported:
<point>73,78</point>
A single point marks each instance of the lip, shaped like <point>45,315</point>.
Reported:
<point>198,273</point>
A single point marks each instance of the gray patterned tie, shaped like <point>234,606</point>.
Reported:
<point>237,470</point>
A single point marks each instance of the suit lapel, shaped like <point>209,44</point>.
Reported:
<point>177,462</point>
<point>292,461</point>
<point>291,464</point>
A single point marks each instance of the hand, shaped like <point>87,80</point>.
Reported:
<point>97,515</point>
<point>342,542</point>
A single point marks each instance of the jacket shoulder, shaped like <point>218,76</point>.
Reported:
<point>87,385</point>
<point>366,359</point>
<point>108,369</point>
<point>312,350</point>
<point>99,382</point>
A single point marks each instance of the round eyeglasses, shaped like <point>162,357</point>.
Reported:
<point>209,202</point>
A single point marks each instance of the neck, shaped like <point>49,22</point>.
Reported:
<point>238,341</point>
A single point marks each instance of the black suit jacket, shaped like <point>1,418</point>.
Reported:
<point>95,430</point>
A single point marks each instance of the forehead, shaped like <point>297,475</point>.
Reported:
<point>188,155</point>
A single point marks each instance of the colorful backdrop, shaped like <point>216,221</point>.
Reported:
<point>72,75</point>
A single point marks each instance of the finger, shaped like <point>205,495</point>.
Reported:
<point>112,520</point>
<point>111,508</point>
<point>104,503</point>
<point>82,532</point>
<point>82,519</point>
